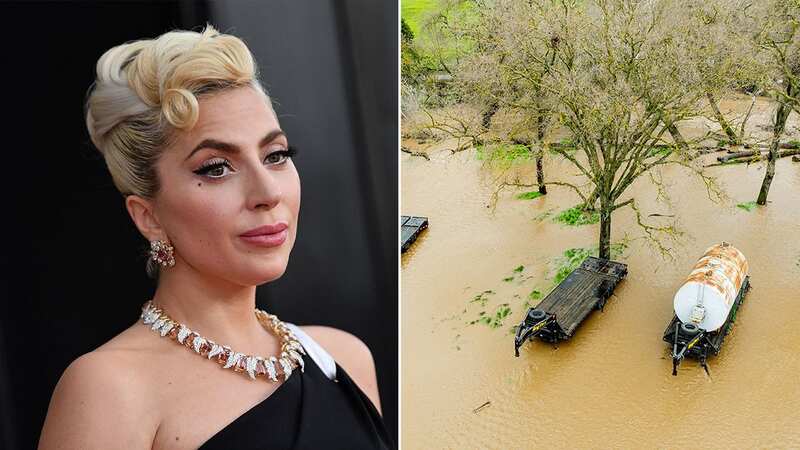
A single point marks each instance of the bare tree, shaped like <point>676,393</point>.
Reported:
<point>493,79</point>
<point>615,73</point>
<point>780,40</point>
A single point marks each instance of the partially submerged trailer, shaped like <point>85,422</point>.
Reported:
<point>558,315</point>
<point>410,228</point>
<point>706,305</point>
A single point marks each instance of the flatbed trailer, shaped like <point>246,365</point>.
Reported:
<point>688,340</point>
<point>410,228</point>
<point>558,315</point>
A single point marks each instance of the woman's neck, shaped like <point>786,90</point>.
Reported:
<point>214,308</point>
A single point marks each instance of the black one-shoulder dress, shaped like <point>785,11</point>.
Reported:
<point>308,411</point>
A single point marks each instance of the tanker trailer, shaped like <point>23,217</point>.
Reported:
<point>706,304</point>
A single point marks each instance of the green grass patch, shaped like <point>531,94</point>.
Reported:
<point>413,11</point>
<point>576,216</point>
<point>416,14</point>
<point>570,261</point>
<point>529,195</point>
<point>747,206</point>
<point>573,257</point>
<point>518,270</point>
<point>535,295</point>
<point>482,298</point>
<point>496,318</point>
<point>503,153</point>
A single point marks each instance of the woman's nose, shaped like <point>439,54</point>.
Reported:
<point>264,188</point>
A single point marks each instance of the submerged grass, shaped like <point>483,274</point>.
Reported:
<point>479,309</point>
<point>747,206</point>
<point>482,298</point>
<point>529,195</point>
<point>577,216</point>
<point>496,318</point>
<point>518,270</point>
<point>542,216</point>
<point>573,257</point>
<point>503,153</point>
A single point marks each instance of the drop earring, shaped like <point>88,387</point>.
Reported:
<point>162,253</point>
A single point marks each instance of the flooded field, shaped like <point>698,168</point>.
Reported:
<point>610,386</point>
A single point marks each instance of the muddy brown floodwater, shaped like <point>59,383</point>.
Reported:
<point>610,386</point>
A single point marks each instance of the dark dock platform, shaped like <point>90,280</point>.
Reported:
<point>410,228</point>
<point>558,315</point>
<point>688,340</point>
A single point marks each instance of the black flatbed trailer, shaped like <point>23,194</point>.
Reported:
<point>410,228</point>
<point>688,340</point>
<point>558,315</point>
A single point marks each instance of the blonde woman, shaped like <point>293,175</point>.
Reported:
<point>191,140</point>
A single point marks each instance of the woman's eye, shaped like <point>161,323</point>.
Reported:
<point>215,169</point>
<point>280,156</point>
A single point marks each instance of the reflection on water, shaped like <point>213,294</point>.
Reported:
<point>611,385</point>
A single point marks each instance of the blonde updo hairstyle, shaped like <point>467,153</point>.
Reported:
<point>145,90</point>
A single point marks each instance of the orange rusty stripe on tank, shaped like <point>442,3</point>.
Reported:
<point>730,268</point>
<point>731,253</point>
<point>724,253</point>
<point>732,261</point>
<point>702,278</point>
<point>717,281</point>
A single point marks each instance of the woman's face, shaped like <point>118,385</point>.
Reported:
<point>229,176</point>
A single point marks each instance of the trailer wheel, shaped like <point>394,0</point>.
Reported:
<point>690,328</point>
<point>536,315</point>
<point>600,304</point>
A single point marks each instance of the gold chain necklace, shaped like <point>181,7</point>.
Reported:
<point>254,365</point>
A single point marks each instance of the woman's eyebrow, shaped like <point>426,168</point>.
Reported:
<point>233,148</point>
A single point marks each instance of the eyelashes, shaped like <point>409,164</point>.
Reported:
<point>283,154</point>
<point>218,167</point>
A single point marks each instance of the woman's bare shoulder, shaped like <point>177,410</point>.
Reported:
<point>352,354</point>
<point>101,400</point>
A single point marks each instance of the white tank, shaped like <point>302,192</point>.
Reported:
<point>708,294</point>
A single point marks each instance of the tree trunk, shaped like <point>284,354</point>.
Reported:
<point>747,116</point>
<point>540,154</point>
<point>677,136</point>
<point>752,156</point>
<point>734,139</point>
<point>540,174</point>
<point>486,118</point>
<point>674,132</point>
<point>780,123</point>
<point>762,194</point>
<point>604,251</point>
<point>736,155</point>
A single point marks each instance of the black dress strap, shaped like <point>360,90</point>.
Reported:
<point>308,411</point>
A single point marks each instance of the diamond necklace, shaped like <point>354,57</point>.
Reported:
<point>254,365</point>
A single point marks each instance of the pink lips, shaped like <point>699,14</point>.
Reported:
<point>267,236</point>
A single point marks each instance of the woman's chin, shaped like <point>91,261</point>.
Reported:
<point>265,274</point>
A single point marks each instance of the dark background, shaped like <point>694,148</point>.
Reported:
<point>72,264</point>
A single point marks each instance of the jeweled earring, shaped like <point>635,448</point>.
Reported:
<point>161,252</point>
